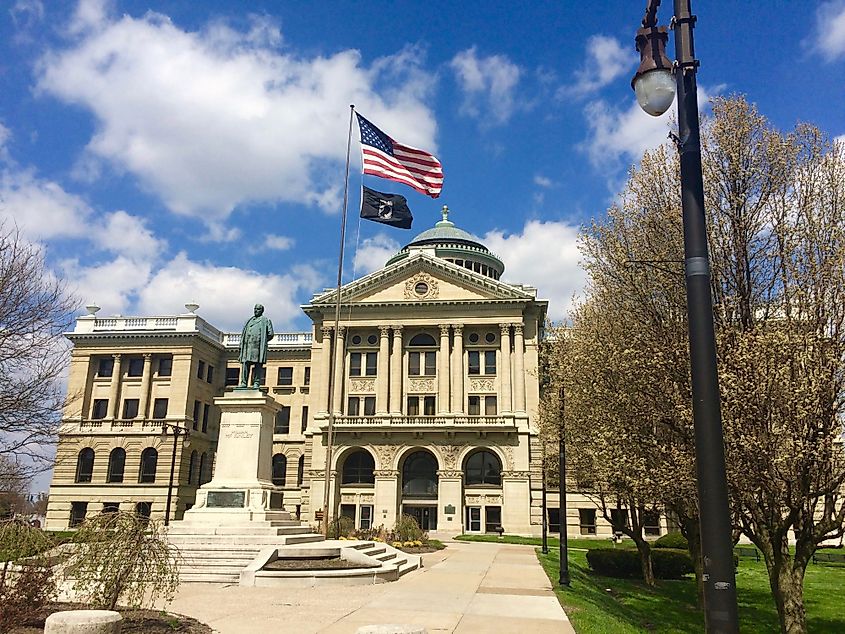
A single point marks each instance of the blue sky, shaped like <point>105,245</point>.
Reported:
<point>172,151</point>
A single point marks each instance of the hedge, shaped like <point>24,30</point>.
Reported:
<point>625,563</point>
<point>672,540</point>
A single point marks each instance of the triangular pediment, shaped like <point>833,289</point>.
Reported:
<point>424,278</point>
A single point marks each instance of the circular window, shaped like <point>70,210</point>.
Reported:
<point>372,340</point>
<point>489,337</point>
<point>356,340</point>
<point>421,288</point>
<point>473,338</point>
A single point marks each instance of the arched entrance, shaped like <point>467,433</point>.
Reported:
<point>419,488</point>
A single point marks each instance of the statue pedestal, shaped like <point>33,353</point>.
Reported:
<point>241,489</point>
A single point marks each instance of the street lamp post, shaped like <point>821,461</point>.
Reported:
<point>177,431</point>
<point>653,85</point>
<point>545,522</point>
<point>563,580</point>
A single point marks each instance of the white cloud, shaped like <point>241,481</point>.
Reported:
<point>226,295</point>
<point>828,37</point>
<point>5,135</point>
<point>373,253</point>
<point>26,14</point>
<point>121,232</point>
<point>606,60</point>
<point>278,243</point>
<point>543,181</point>
<point>489,85</point>
<point>213,119</point>
<point>544,255</point>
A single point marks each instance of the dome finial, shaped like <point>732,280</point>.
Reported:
<point>445,212</point>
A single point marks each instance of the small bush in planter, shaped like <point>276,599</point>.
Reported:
<point>671,540</point>
<point>340,527</point>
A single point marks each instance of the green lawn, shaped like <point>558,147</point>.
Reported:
<point>598,605</point>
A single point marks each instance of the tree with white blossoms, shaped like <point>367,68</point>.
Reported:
<point>775,205</point>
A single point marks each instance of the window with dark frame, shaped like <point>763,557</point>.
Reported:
<point>200,369</point>
<point>306,380</point>
<point>304,417</point>
<point>280,466</point>
<point>192,467</point>
<point>165,366</point>
<point>105,367</point>
<point>285,376</point>
<point>483,468</point>
<point>205,409</point>
<point>413,406</point>
<point>492,519</point>
<point>117,465</point>
<point>422,363</point>
<point>130,408</point>
<point>111,507</point>
<point>144,510</point>
<point>371,364</point>
<point>651,523</point>
<point>473,405</point>
<point>282,422</point>
<point>366,517</point>
<point>196,415</point>
<point>352,405</point>
<point>77,513</point>
<point>490,406</point>
<point>233,377</point>
<point>355,363</point>
<point>100,408</point>
<point>149,463</point>
<point>300,471</point>
<point>135,367</point>
<point>369,406</point>
<point>160,408</point>
<point>553,516</point>
<point>84,465</point>
<point>428,405</point>
<point>587,521</point>
<point>619,519</point>
<point>209,374</point>
<point>358,468</point>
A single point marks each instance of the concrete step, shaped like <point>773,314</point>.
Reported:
<point>386,557</point>
<point>285,540</point>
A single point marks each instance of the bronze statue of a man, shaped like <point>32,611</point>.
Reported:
<point>257,332</point>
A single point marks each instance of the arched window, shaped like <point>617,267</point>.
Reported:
<point>419,475</point>
<point>300,471</point>
<point>192,468</point>
<point>149,462</point>
<point>483,468</point>
<point>117,463</point>
<point>85,465</point>
<point>422,339</point>
<point>358,468</point>
<point>280,466</point>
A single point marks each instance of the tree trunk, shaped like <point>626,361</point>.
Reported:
<point>644,549</point>
<point>787,585</point>
<point>692,531</point>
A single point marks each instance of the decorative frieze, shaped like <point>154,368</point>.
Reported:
<point>362,385</point>
<point>450,473</point>
<point>482,385</point>
<point>516,475</point>
<point>386,473</point>
<point>421,385</point>
<point>422,286</point>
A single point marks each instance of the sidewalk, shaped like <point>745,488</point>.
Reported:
<point>466,588</point>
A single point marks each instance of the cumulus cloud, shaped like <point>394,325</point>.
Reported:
<point>489,85</point>
<point>212,119</point>
<point>373,253</point>
<point>606,60</point>
<point>545,255</point>
<point>278,243</point>
<point>828,37</point>
<point>543,181</point>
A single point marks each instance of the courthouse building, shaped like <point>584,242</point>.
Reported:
<point>434,416</point>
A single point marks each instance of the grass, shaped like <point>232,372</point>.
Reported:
<point>597,605</point>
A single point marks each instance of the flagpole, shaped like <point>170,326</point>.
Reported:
<point>334,351</point>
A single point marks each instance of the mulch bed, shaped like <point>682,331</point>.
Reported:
<point>134,621</point>
<point>329,563</point>
<point>419,550</point>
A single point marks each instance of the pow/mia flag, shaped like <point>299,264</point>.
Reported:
<point>388,209</point>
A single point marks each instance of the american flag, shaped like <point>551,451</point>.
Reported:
<point>386,158</point>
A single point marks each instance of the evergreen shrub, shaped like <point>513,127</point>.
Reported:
<point>672,540</point>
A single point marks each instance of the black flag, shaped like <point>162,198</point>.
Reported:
<point>389,209</point>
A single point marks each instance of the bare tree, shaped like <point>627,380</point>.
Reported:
<point>34,311</point>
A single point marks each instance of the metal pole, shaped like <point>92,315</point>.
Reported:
<point>172,471</point>
<point>334,351</point>
<point>564,545</point>
<point>720,609</point>
<point>545,522</point>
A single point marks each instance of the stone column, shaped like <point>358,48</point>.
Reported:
<point>383,365</point>
<point>144,400</point>
<point>385,497</point>
<point>323,396</point>
<point>396,372</point>
<point>337,396</point>
<point>114,392</point>
<point>458,369</point>
<point>518,368</point>
<point>443,372</point>
<point>505,370</point>
<point>449,498</point>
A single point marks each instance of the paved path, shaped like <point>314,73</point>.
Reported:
<point>466,588</point>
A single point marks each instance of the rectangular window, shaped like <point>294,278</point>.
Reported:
<point>352,406</point>
<point>430,363</point>
<point>136,366</point>
<point>422,363</point>
<point>587,520</point>
<point>413,406</point>
<point>474,406</point>
<point>372,363</point>
<point>233,376</point>
<point>474,365</point>
<point>205,408</point>
<point>414,364</point>
<point>428,405</point>
<point>492,519</point>
<point>307,378</point>
<point>105,367</point>
<point>77,513</point>
<point>348,510</point>
<point>369,406</point>
<point>355,364</point>
<point>490,406</point>
<point>651,523</point>
<point>619,519</point>
<point>165,366</point>
<point>111,507</point>
<point>282,424</point>
<point>160,408</point>
<point>197,406</point>
<point>489,362</point>
<point>304,417</point>
<point>209,374</point>
<point>285,376</point>
<point>130,408</point>
<point>201,369</point>
<point>143,510</point>
<point>100,408</point>
<point>554,520</point>
<point>366,517</point>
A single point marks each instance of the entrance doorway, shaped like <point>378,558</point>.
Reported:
<point>426,516</point>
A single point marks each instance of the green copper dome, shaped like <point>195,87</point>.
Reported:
<point>456,246</point>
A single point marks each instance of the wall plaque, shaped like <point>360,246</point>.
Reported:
<point>449,509</point>
<point>226,499</point>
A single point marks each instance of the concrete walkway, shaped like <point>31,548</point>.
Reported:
<point>468,587</point>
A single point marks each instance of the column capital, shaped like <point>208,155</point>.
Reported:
<point>397,329</point>
<point>147,355</point>
<point>384,331</point>
<point>444,330</point>
<point>457,328</point>
<point>517,329</point>
<point>341,331</point>
<point>506,329</point>
<point>116,356</point>
<point>326,331</point>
